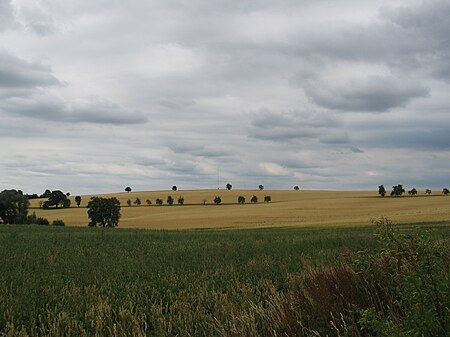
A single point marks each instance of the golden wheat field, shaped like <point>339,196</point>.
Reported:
<point>287,208</point>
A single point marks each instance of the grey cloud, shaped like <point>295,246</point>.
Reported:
<point>371,94</point>
<point>199,150</point>
<point>295,126</point>
<point>16,73</point>
<point>37,20</point>
<point>6,14</point>
<point>55,109</point>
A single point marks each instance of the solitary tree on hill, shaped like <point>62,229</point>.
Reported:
<point>261,187</point>
<point>78,200</point>
<point>128,189</point>
<point>445,191</point>
<point>296,188</point>
<point>174,188</point>
<point>229,186</point>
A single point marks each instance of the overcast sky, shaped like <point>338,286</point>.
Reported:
<point>97,95</point>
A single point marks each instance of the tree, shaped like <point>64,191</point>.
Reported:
<point>445,191</point>
<point>397,191</point>
<point>159,202</point>
<point>128,189</point>
<point>129,202</point>
<point>78,200</point>
<point>174,188</point>
<point>180,200</point>
<point>68,194</point>
<point>229,187</point>
<point>104,212</point>
<point>241,200</point>
<point>261,187</point>
<point>148,201</point>
<point>296,188</point>
<point>13,207</point>
<point>254,199</point>
<point>46,194</point>
<point>170,200</point>
<point>217,200</point>
<point>412,192</point>
<point>381,190</point>
<point>137,202</point>
<point>428,191</point>
<point>267,198</point>
<point>58,198</point>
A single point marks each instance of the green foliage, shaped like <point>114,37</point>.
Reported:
<point>217,200</point>
<point>180,200</point>
<point>229,187</point>
<point>57,198</point>
<point>13,207</point>
<point>159,201</point>
<point>445,191</point>
<point>267,198</point>
<point>170,200</point>
<point>78,200</point>
<point>261,187</point>
<point>104,212</point>
<point>381,190</point>
<point>174,188</point>
<point>397,190</point>
<point>128,189</point>
<point>137,202</point>
<point>254,199</point>
<point>58,223</point>
<point>296,188</point>
<point>241,199</point>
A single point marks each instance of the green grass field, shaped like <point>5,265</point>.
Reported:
<point>111,282</point>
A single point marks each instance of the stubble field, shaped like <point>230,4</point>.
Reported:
<point>287,209</point>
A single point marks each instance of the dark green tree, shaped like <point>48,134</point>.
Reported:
<point>137,202</point>
<point>445,191</point>
<point>397,191</point>
<point>58,198</point>
<point>267,198</point>
<point>148,201</point>
<point>296,188</point>
<point>261,187</point>
<point>78,200</point>
<point>229,187</point>
<point>428,191</point>
<point>174,188</point>
<point>217,200</point>
<point>13,207</point>
<point>381,190</point>
<point>104,212</point>
<point>180,200</point>
<point>412,192</point>
<point>129,202</point>
<point>254,199</point>
<point>241,199</point>
<point>170,200</point>
<point>46,194</point>
<point>159,201</point>
<point>128,189</point>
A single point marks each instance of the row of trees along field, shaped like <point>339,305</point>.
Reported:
<point>217,200</point>
<point>398,191</point>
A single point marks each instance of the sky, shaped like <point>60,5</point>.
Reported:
<point>98,95</point>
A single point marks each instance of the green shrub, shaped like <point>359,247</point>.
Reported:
<point>58,223</point>
<point>42,221</point>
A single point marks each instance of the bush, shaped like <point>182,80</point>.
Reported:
<point>42,221</point>
<point>58,223</point>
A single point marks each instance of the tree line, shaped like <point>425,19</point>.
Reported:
<point>398,190</point>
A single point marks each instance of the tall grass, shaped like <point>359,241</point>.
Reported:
<point>100,282</point>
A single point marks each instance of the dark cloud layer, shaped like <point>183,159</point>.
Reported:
<point>344,94</point>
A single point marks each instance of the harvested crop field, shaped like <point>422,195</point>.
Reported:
<point>287,209</point>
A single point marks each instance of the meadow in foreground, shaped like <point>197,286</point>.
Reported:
<point>85,282</point>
